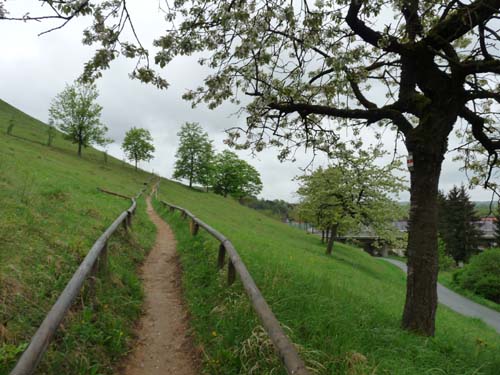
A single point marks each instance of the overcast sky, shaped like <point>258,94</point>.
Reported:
<point>34,69</point>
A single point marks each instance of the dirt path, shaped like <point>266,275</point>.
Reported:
<point>163,345</point>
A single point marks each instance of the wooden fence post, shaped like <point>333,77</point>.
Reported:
<point>222,254</point>
<point>92,281</point>
<point>193,226</point>
<point>129,220</point>
<point>125,223</point>
<point>183,214</point>
<point>231,273</point>
<point>103,260</point>
<point>171,209</point>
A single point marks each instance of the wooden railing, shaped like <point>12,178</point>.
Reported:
<point>94,262</point>
<point>282,344</point>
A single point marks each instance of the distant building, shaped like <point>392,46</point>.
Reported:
<point>487,226</point>
<point>401,225</point>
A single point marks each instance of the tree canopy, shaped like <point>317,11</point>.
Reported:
<point>420,68</point>
<point>138,145</point>
<point>75,112</point>
<point>235,177</point>
<point>194,155</point>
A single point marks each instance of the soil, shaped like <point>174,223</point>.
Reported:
<point>164,345</point>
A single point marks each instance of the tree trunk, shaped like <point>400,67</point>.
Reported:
<point>79,149</point>
<point>190,181</point>
<point>331,239</point>
<point>322,236</point>
<point>136,165</point>
<point>421,294</point>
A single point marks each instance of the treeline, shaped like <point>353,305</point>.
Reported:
<point>276,208</point>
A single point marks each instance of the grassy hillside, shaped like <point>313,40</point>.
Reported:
<point>344,311</point>
<point>51,214</point>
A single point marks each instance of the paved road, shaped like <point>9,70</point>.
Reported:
<point>460,304</point>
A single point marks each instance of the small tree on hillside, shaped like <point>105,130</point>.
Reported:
<point>51,132</point>
<point>194,155</point>
<point>138,145</point>
<point>3,11</point>
<point>11,126</point>
<point>75,112</point>
<point>457,229</point>
<point>235,177</point>
<point>352,193</point>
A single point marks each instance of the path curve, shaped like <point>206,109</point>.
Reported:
<point>163,345</point>
<point>459,303</point>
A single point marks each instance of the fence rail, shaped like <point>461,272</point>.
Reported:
<point>283,346</point>
<point>95,261</point>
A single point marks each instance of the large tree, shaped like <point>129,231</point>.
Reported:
<point>234,176</point>
<point>194,155</point>
<point>351,193</point>
<point>432,64</point>
<point>76,113</point>
<point>138,145</point>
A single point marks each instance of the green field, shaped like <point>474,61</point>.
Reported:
<point>339,309</point>
<point>343,311</point>
<point>51,214</point>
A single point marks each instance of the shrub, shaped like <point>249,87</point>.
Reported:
<point>445,261</point>
<point>482,275</point>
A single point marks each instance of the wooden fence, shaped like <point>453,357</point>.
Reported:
<point>95,261</point>
<point>282,344</point>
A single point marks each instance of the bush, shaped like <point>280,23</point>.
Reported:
<point>446,262</point>
<point>482,275</point>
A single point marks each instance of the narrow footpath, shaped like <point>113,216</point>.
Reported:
<point>163,345</point>
<point>459,303</point>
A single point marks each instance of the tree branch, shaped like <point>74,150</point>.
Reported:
<point>358,94</point>
<point>459,22</point>
<point>366,33</point>
<point>477,123</point>
<point>482,66</point>
<point>482,94</point>
<point>371,115</point>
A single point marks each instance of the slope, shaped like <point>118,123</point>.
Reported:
<point>51,213</point>
<point>343,311</point>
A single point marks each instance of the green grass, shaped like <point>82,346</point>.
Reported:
<point>51,214</point>
<point>338,309</point>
